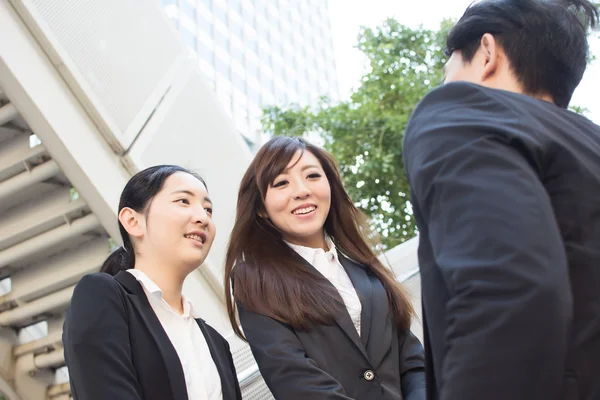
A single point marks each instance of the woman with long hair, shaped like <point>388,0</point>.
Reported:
<point>129,334</point>
<point>325,319</point>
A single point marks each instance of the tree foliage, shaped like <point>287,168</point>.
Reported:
<point>365,133</point>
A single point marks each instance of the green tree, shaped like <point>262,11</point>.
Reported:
<point>365,133</point>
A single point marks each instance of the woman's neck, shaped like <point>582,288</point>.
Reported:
<point>317,241</point>
<point>169,282</point>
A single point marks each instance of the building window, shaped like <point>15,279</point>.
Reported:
<point>220,12</point>
<point>188,7</point>
<point>221,40</point>
<point>239,98</point>
<point>247,6</point>
<point>267,99</point>
<point>266,83</point>
<point>288,56</point>
<point>277,71</point>
<point>253,96</point>
<point>259,7</point>
<point>251,68</point>
<point>236,30</point>
<point>262,31</point>
<point>235,5</point>
<point>207,54</point>
<point>292,96</point>
<point>280,91</point>
<point>284,16</point>
<point>238,82</point>
<point>266,73</point>
<point>208,69</point>
<point>223,85</point>
<point>291,75</point>
<point>264,53</point>
<point>222,67</point>
<point>253,83</point>
<point>204,23</point>
<point>237,54</point>
<point>189,38</point>
<point>204,9</point>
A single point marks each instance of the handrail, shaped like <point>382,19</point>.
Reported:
<point>249,375</point>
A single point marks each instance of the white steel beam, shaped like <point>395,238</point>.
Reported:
<point>22,314</point>
<point>54,274</point>
<point>38,174</point>
<point>48,240</point>
<point>8,112</point>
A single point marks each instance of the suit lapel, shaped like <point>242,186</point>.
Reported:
<point>362,285</point>
<point>342,318</point>
<point>376,321</point>
<point>227,386</point>
<point>167,351</point>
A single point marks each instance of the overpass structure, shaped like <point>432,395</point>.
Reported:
<point>90,93</point>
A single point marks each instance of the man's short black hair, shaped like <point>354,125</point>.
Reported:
<point>544,40</point>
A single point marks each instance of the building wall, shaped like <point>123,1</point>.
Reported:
<point>258,53</point>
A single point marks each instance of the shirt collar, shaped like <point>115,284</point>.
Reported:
<point>151,287</point>
<point>309,253</point>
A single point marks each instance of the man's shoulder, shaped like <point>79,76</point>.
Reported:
<point>460,97</point>
<point>457,104</point>
<point>458,88</point>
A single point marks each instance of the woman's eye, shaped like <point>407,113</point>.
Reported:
<point>280,183</point>
<point>314,175</point>
<point>208,210</point>
<point>183,201</point>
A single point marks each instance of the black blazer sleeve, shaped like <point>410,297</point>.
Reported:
<point>283,363</point>
<point>493,235</point>
<point>96,342</point>
<point>412,368</point>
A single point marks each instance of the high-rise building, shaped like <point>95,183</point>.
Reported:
<point>258,53</point>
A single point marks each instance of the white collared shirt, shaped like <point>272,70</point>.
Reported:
<point>328,264</point>
<point>202,378</point>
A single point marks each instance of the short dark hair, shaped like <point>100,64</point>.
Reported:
<point>545,40</point>
<point>137,195</point>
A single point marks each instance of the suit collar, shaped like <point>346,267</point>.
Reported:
<point>151,287</point>
<point>166,349</point>
<point>309,253</point>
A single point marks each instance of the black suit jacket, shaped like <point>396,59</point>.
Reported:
<point>330,362</point>
<point>116,348</point>
<point>506,194</point>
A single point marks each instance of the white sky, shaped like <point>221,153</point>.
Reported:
<point>348,15</point>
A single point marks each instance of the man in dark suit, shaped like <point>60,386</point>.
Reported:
<point>505,189</point>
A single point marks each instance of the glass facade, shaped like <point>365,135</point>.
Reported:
<point>258,53</point>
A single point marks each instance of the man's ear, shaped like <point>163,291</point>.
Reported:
<point>133,222</point>
<point>491,52</point>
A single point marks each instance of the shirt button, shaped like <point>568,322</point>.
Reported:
<point>369,375</point>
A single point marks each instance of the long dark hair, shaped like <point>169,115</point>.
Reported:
<point>268,278</point>
<point>137,195</point>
